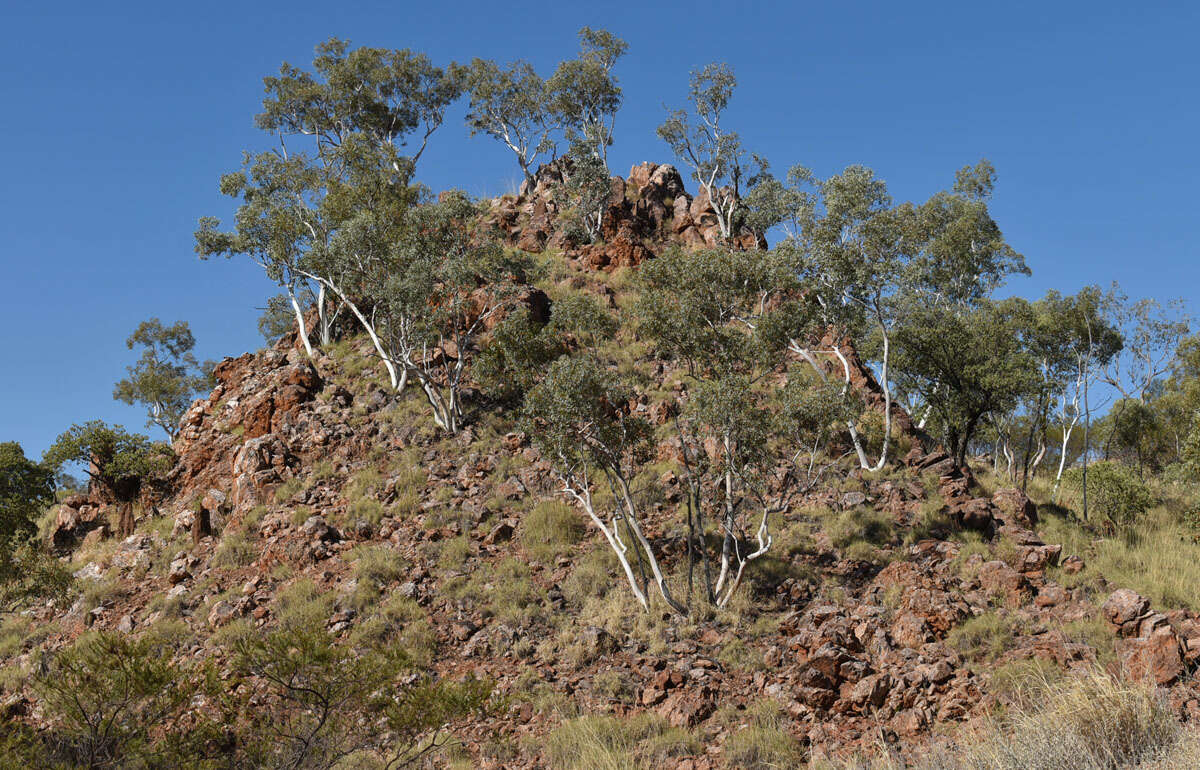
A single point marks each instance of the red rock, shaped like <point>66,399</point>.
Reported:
<point>1156,659</point>
<point>910,631</point>
<point>1014,506</point>
<point>1123,607</point>
<point>999,579</point>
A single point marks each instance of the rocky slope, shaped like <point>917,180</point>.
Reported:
<point>893,609</point>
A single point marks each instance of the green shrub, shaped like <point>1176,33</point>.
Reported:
<point>235,550</point>
<point>288,489</point>
<point>1115,492</point>
<point>324,701</point>
<point>114,701</point>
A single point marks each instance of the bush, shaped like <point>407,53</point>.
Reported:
<point>325,701</point>
<point>609,743</point>
<point>114,701</point>
<point>983,638</point>
<point>1114,492</point>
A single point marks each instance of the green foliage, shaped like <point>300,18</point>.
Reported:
<point>235,550</point>
<point>694,303</point>
<point>515,357</point>
<point>965,364</point>
<point>575,416</point>
<point>28,574</point>
<point>26,488</point>
<point>167,377</point>
<point>277,319</point>
<point>426,292</point>
<point>584,319</point>
<point>583,195</point>
<point>113,701</point>
<point>1115,492</point>
<point>982,639</point>
<point>511,105</point>
<point>120,461</point>
<point>861,525</point>
<point>718,161</point>
<point>326,701</point>
<point>585,97</point>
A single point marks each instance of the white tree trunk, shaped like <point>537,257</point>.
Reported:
<point>300,322</point>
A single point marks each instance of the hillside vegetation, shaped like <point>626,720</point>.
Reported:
<point>588,476</point>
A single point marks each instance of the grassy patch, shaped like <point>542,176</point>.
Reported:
<point>549,530</point>
<point>861,525</point>
<point>1089,723</point>
<point>983,638</point>
<point>235,550</point>
<point>608,743</point>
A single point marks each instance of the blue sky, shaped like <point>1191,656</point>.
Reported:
<point>118,118</point>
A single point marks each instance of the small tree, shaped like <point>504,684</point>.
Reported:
<point>516,355</point>
<point>719,163</point>
<point>965,365</point>
<point>433,290</point>
<point>26,573</point>
<point>1116,492</point>
<point>584,194</point>
<point>585,95</point>
<point>512,105</point>
<point>26,488</point>
<point>121,463</point>
<point>520,351</point>
<point>577,418</point>
<point>166,377</point>
<point>354,102</point>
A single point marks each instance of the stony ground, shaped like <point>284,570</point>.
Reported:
<point>893,609</point>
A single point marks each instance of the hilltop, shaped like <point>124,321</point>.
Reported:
<point>894,612</point>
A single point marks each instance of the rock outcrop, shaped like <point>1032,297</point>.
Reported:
<point>646,212</point>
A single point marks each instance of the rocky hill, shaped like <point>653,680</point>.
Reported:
<point>893,610</point>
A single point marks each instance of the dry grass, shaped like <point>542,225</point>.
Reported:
<point>549,530</point>
<point>642,742</point>
<point>1089,723</point>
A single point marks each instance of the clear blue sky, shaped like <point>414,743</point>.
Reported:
<point>117,118</point>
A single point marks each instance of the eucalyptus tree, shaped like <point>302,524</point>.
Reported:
<point>519,350</point>
<point>719,163</point>
<point>167,375</point>
<point>434,283</point>
<point>584,194</point>
<point>577,417</point>
<point>371,97</point>
<point>966,364</point>
<point>119,462</point>
<point>584,94</point>
<point>513,105</point>
<point>865,259</point>
<point>704,309</point>
<point>1072,343</point>
<point>26,488</point>
<point>1152,332</point>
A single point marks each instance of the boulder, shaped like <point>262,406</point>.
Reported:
<point>1014,507</point>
